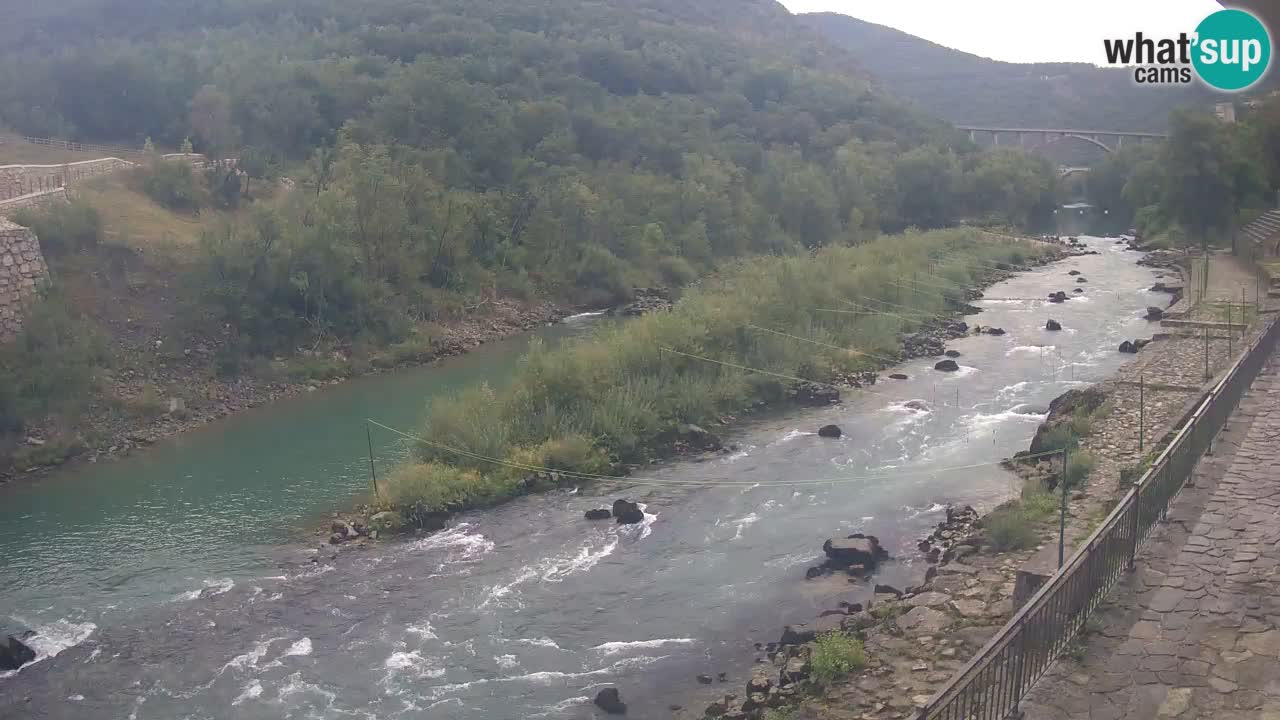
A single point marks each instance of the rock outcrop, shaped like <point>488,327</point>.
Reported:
<point>14,653</point>
<point>610,701</point>
<point>627,512</point>
<point>815,394</point>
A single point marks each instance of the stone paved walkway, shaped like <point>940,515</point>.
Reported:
<point>1193,633</point>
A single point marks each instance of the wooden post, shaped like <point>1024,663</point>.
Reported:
<point>373,471</point>
<point>1142,410</point>
<point>1062,515</point>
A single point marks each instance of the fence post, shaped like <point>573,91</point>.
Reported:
<point>1229,331</point>
<point>1062,515</point>
<point>1206,353</point>
<point>1142,410</point>
<point>373,472</point>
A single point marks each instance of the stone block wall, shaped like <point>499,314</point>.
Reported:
<point>22,273</point>
<point>21,180</point>
<point>40,199</point>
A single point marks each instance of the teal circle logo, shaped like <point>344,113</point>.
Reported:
<point>1233,50</point>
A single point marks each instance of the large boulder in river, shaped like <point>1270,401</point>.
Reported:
<point>814,394</point>
<point>598,514</point>
<point>952,353</point>
<point>1081,280</point>
<point>1128,348</point>
<point>695,437</point>
<point>610,701</point>
<point>946,366</point>
<point>1058,297</point>
<point>1053,325</point>
<point>627,512</point>
<point>993,331</point>
<point>829,431</point>
<point>1074,272</point>
<point>1155,313</point>
<point>14,653</point>
<point>857,549</point>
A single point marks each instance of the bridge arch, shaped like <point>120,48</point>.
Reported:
<point>1092,140</point>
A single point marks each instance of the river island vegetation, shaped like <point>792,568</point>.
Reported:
<point>740,338</point>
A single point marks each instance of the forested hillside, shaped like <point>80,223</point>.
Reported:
<point>501,146</point>
<point>407,163</point>
<point>970,90</point>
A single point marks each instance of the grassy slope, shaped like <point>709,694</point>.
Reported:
<point>617,397</point>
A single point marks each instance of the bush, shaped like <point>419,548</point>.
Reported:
<point>50,368</point>
<point>676,271</point>
<point>172,183</point>
<point>63,228</point>
<point>602,275</point>
<point>1011,528</point>
<point>1079,465</point>
<point>835,655</point>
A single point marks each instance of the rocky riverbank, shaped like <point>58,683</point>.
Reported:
<point>107,432</point>
<point>916,638</point>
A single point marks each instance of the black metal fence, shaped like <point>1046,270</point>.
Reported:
<point>991,685</point>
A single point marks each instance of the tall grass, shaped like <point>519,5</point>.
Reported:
<point>623,392</point>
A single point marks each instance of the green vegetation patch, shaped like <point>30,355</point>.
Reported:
<point>618,397</point>
<point>835,655</point>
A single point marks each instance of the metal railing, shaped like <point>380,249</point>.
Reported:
<point>992,684</point>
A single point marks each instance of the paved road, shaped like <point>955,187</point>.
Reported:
<point>1195,631</point>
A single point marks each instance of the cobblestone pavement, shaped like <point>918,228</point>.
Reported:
<point>1193,633</point>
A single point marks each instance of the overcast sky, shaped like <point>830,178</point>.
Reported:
<point>1024,30</point>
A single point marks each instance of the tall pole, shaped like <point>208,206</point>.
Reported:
<point>373,472</point>
<point>1142,410</point>
<point>1206,353</point>
<point>1244,317</point>
<point>1062,515</point>
<point>1230,332</point>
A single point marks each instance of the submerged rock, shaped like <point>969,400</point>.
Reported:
<point>897,376</point>
<point>993,331</point>
<point>14,653</point>
<point>811,393</point>
<point>1074,272</point>
<point>917,405</point>
<point>599,514</point>
<point>627,512</point>
<point>946,366</point>
<point>1155,313</point>
<point>857,549</point>
<point>610,701</point>
<point>1081,280</point>
<point>1058,297</point>
<point>829,431</point>
<point>952,353</point>
<point>695,436</point>
<point>1053,325</point>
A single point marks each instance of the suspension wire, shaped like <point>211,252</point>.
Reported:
<point>913,311</point>
<point>822,344</point>
<point>878,311</point>
<point>746,368</point>
<point>707,483</point>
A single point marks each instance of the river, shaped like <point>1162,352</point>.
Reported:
<point>171,584</point>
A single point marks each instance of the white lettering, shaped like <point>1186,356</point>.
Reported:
<point>1209,51</point>
<point>1252,54</point>
<point>1230,52</point>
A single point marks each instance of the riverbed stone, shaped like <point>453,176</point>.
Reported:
<point>925,620</point>
<point>610,701</point>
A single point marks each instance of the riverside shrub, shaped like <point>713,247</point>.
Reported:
<point>626,388</point>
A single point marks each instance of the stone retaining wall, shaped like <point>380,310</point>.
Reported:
<point>22,273</point>
<point>39,199</point>
<point>21,180</point>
